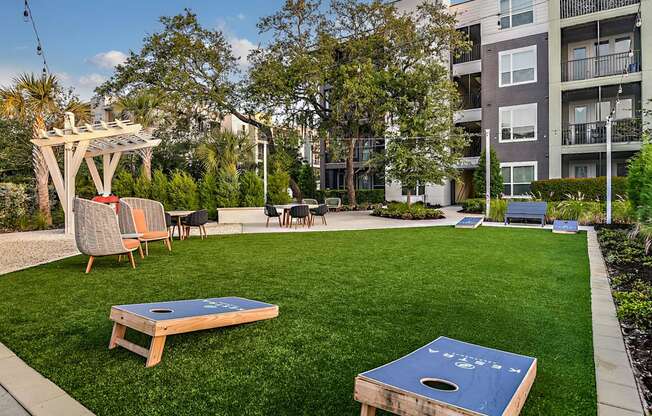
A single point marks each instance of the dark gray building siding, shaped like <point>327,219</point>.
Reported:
<point>494,97</point>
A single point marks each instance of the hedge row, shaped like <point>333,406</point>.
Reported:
<point>362,196</point>
<point>590,189</point>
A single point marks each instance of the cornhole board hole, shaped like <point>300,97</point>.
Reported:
<point>564,227</point>
<point>448,378</point>
<point>469,222</point>
<point>160,319</point>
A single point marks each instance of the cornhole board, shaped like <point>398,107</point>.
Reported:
<point>564,227</point>
<point>467,380</point>
<point>160,319</point>
<point>469,222</point>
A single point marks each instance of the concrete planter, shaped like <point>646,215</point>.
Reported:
<point>245,215</point>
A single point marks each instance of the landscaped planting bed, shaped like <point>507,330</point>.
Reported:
<point>349,301</point>
<point>630,272</point>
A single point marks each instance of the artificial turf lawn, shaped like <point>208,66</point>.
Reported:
<point>349,301</point>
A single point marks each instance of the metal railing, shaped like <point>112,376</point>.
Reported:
<point>473,148</point>
<point>471,101</point>
<point>601,66</point>
<point>471,55</point>
<point>622,131</point>
<point>572,8</point>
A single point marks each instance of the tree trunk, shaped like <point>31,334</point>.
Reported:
<point>296,191</point>
<point>409,198</point>
<point>41,173</point>
<point>350,172</point>
<point>146,155</point>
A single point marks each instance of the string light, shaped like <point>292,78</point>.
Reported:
<point>27,17</point>
<point>638,19</point>
<point>26,13</point>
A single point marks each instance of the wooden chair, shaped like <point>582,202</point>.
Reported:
<point>300,213</point>
<point>272,212</point>
<point>145,217</point>
<point>97,232</point>
<point>196,219</point>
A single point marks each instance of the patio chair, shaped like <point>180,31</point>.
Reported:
<point>272,212</point>
<point>333,204</point>
<point>196,219</point>
<point>145,217</point>
<point>320,211</point>
<point>309,201</point>
<point>97,232</point>
<point>170,224</point>
<point>300,213</point>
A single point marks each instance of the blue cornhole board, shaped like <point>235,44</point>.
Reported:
<point>564,227</point>
<point>469,222</point>
<point>192,308</point>
<point>489,382</point>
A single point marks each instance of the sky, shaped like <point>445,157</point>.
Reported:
<point>83,40</point>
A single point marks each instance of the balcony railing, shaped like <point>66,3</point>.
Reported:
<point>471,101</point>
<point>601,66</point>
<point>572,8</point>
<point>471,55</point>
<point>473,148</point>
<point>622,131</point>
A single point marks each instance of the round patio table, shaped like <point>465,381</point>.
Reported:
<point>179,214</point>
<point>286,211</point>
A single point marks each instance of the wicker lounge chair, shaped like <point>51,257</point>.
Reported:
<point>97,232</point>
<point>333,204</point>
<point>309,201</point>
<point>145,217</point>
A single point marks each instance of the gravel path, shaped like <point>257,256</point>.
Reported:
<point>21,250</point>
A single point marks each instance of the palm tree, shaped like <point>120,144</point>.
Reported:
<point>31,100</point>
<point>142,108</point>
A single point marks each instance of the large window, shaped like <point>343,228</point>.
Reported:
<point>517,123</point>
<point>518,66</point>
<point>517,177</point>
<point>516,13</point>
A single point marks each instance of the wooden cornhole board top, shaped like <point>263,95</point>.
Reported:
<point>469,222</point>
<point>565,227</point>
<point>489,382</point>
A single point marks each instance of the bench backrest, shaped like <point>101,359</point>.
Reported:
<point>528,208</point>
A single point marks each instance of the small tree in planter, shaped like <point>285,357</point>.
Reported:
<point>496,176</point>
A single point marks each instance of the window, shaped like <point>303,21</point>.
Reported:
<point>518,66</point>
<point>581,171</point>
<point>516,13</point>
<point>517,123</point>
<point>517,177</point>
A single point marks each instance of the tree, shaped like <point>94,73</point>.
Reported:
<point>639,190</point>
<point>15,151</point>
<point>496,176</point>
<point>252,192</point>
<point>357,69</point>
<point>208,194</point>
<point>307,182</point>
<point>228,190</point>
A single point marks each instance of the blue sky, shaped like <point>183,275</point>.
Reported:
<point>83,39</point>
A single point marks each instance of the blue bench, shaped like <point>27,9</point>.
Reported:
<point>527,211</point>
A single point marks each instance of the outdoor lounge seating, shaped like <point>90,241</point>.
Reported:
<point>196,219</point>
<point>300,213</point>
<point>526,211</point>
<point>320,211</point>
<point>146,218</point>
<point>309,201</point>
<point>333,204</point>
<point>272,212</point>
<point>97,232</point>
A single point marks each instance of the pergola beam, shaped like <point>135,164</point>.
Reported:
<point>124,148</point>
<point>55,173</point>
<point>97,180</point>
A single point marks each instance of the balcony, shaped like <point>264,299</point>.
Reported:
<point>471,55</point>
<point>622,131</point>
<point>601,66</point>
<point>474,147</point>
<point>573,8</point>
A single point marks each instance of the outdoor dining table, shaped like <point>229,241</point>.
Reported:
<point>286,220</point>
<point>179,214</point>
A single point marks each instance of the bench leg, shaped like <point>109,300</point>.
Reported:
<point>155,351</point>
<point>367,410</point>
<point>118,333</point>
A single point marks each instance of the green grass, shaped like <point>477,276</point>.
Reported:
<point>349,301</point>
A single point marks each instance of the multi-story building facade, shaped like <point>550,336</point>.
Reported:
<point>543,76</point>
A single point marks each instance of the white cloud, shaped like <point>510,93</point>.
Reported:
<point>108,60</point>
<point>240,16</point>
<point>91,80</point>
<point>241,48</point>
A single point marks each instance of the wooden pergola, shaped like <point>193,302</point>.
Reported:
<point>83,143</point>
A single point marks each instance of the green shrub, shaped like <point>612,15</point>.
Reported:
<point>159,188</point>
<point>13,205</point>
<point>640,183</point>
<point>123,184</point>
<point>182,191</point>
<point>142,186</point>
<point>228,190</point>
<point>307,181</point>
<point>591,189</point>
<point>475,205</point>
<point>362,196</point>
<point>208,194</point>
<point>496,182</point>
<point>635,305</point>
<point>252,191</point>
<point>497,209</point>
<point>277,187</point>
<point>404,211</point>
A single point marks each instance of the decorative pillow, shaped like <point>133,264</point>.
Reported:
<point>139,220</point>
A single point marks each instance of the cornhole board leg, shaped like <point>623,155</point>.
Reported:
<point>367,410</point>
<point>153,354</point>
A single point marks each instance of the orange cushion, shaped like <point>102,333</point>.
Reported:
<point>130,243</point>
<point>154,235</point>
<point>139,220</point>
